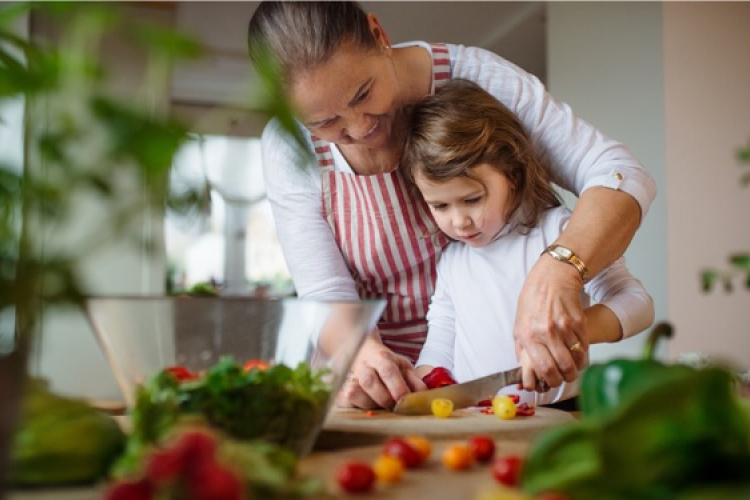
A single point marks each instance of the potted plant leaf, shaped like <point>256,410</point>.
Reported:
<point>88,151</point>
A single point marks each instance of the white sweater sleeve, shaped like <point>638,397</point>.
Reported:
<point>625,295</point>
<point>440,346</point>
<point>580,156</point>
<point>294,191</point>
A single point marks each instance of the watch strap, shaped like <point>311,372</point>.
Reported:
<point>564,254</point>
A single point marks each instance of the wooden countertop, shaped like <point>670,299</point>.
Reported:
<point>432,480</point>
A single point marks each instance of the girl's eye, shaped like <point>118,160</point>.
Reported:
<point>440,207</point>
<point>473,201</point>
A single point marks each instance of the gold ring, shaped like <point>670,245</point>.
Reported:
<point>352,378</point>
<point>575,347</point>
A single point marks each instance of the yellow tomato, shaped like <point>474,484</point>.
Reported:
<point>504,407</point>
<point>458,456</point>
<point>442,407</point>
<point>388,469</point>
<point>422,445</point>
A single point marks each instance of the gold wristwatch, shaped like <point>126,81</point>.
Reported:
<point>567,255</point>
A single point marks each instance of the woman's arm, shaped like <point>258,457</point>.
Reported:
<point>294,192</point>
<point>319,271</point>
<point>615,193</point>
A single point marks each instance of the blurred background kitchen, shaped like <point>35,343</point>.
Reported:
<point>670,80</point>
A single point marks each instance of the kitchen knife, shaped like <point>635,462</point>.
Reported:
<point>463,395</point>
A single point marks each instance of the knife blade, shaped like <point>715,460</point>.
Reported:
<point>463,395</point>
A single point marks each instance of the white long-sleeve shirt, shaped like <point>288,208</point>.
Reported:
<point>581,157</point>
<point>473,310</point>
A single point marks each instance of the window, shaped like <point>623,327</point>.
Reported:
<point>232,243</point>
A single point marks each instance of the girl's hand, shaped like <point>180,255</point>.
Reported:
<point>549,321</point>
<point>378,378</point>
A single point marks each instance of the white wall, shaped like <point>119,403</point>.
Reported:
<point>605,60</point>
<point>707,109</point>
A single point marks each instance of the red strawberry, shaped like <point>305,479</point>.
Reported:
<point>164,466</point>
<point>195,448</point>
<point>212,481</point>
<point>130,490</point>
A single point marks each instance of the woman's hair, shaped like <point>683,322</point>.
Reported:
<point>302,35</point>
<point>463,126</point>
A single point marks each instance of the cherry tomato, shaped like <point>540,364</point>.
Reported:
<point>442,407</point>
<point>525,410</point>
<point>504,407</point>
<point>438,377</point>
<point>388,469</point>
<point>181,373</point>
<point>422,445</point>
<point>255,363</point>
<point>401,449</point>
<point>457,456</point>
<point>355,477</point>
<point>482,448</point>
<point>507,470</point>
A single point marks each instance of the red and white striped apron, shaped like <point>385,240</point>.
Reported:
<point>387,237</point>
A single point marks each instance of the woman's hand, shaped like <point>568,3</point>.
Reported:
<point>549,321</point>
<point>379,377</point>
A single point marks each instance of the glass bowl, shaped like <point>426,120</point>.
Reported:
<point>141,336</point>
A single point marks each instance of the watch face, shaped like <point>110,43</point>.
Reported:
<point>564,252</point>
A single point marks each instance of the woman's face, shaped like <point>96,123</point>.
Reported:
<point>352,98</point>
<point>471,210</point>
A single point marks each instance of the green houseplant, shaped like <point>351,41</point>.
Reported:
<point>87,150</point>
<point>739,263</point>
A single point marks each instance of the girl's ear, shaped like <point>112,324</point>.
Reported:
<point>378,32</point>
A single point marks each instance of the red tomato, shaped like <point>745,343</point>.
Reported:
<point>355,477</point>
<point>438,377</point>
<point>255,363</point>
<point>404,451</point>
<point>507,470</point>
<point>482,447</point>
<point>181,373</point>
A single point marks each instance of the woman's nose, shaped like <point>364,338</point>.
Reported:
<point>359,126</point>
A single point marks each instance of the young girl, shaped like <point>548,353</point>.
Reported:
<point>475,167</point>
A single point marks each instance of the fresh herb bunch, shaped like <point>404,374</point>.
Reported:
<point>267,415</point>
<point>279,404</point>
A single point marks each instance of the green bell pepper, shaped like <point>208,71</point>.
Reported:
<point>605,386</point>
<point>673,432</point>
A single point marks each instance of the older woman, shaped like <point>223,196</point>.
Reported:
<point>351,228</point>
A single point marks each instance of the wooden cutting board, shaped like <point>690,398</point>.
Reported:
<point>351,427</point>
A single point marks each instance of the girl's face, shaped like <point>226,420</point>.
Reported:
<point>471,210</point>
<point>352,98</point>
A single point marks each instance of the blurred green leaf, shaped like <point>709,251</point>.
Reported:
<point>741,261</point>
<point>708,278</point>
<point>152,142</point>
<point>166,42</point>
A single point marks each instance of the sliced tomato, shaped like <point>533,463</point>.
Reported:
<point>181,373</point>
<point>525,410</point>
<point>438,377</point>
<point>255,363</point>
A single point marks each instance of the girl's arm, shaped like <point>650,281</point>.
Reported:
<point>624,307</point>
<point>438,349</point>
